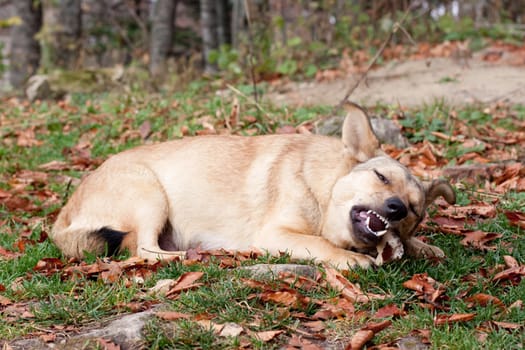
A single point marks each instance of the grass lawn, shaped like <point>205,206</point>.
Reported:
<point>472,299</point>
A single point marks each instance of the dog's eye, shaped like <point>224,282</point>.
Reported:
<point>382,177</point>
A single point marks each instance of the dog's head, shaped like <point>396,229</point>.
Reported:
<point>378,195</point>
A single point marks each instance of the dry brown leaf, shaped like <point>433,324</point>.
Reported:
<point>359,339</point>
<point>514,274</point>
<point>389,311</point>
<point>5,301</point>
<point>231,329</point>
<point>48,338</point>
<point>480,239</point>
<point>377,327</point>
<point>107,344</point>
<point>507,325</point>
<point>454,318</point>
<point>516,218</point>
<point>510,262</point>
<point>485,299</point>
<point>478,210</point>
<point>288,297</point>
<point>347,289</point>
<point>186,281</point>
<point>315,326</point>
<point>421,283</point>
<point>171,315</point>
<point>266,336</point>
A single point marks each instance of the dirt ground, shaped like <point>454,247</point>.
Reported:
<point>416,82</point>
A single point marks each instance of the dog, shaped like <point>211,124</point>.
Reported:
<point>315,197</point>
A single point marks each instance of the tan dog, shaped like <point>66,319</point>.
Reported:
<point>312,196</point>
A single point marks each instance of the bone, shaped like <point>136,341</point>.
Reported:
<point>390,248</point>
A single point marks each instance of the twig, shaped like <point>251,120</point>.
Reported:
<point>240,93</point>
<point>250,52</point>
<point>395,28</point>
<point>181,253</point>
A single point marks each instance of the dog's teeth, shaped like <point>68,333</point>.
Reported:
<point>380,233</point>
<point>367,222</point>
<point>369,212</point>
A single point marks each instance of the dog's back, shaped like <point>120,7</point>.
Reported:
<point>220,188</point>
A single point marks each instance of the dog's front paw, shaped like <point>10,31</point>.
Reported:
<point>353,260</point>
<point>418,249</point>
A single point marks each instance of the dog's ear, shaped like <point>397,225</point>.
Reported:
<point>358,137</point>
<point>436,188</point>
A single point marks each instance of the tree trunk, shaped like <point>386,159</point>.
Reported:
<point>223,22</point>
<point>69,33</point>
<point>162,35</point>
<point>24,56</point>
<point>209,33</point>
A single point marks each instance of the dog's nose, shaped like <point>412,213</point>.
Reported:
<point>395,209</point>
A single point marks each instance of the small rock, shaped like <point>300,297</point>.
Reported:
<point>275,269</point>
<point>38,88</point>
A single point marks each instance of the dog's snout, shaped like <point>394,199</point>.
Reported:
<point>395,209</point>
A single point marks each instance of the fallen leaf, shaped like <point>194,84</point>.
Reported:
<point>514,275</point>
<point>286,297</point>
<point>507,325</point>
<point>171,315</point>
<point>315,326</point>
<point>298,342</point>
<point>454,318</point>
<point>266,336</point>
<point>359,339</point>
<point>483,210</point>
<point>516,218</point>
<point>389,311</point>
<point>7,254</point>
<point>480,239</point>
<point>48,338</point>
<point>347,289</point>
<point>377,327</point>
<point>231,329</point>
<point>107,344</point>
<point>485,299</point>
<point>185,281</point>
<point>5,301</point>
<point>510,262</point>
<point>420,283</point>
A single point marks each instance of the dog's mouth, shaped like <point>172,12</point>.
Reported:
<point>368,225</point>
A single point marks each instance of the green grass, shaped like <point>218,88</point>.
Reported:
<point>106,124</point>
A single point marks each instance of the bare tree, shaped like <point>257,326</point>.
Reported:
<point>162,35</point>
<point>24,56</point>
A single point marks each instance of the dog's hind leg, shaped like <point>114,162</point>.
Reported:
<point>149,212</point>
<point>115,208</point>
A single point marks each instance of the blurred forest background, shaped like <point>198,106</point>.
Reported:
<point>91,44</point>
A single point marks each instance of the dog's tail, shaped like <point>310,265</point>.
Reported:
<point>76,242</point>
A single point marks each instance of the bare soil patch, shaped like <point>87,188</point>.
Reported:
<point>478,79</point>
